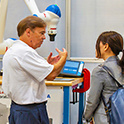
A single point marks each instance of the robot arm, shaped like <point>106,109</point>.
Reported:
<point>6,44</point>
<point>32,6</point>
<point>3,13</point>
<point>51,16</point>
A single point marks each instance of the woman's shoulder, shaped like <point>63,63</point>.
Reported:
<point>111,63</point>
<point>98,69</point>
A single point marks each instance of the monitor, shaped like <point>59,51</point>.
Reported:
<point>72,68</point>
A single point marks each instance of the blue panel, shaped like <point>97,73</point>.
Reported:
<point>81,106</point>
<point>66,105</point>
<point>55,9</point>
<point>13,38</point>
<point>71,67</point>
<point>35,15</point>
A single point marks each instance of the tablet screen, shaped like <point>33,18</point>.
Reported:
<point>72,68</point>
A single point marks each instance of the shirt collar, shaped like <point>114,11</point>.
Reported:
<point>111,58</point>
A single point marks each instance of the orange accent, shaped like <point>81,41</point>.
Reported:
<point>6,49</point>
<point>53,28</point>
<point>0,80</point>
<point>44,15</point>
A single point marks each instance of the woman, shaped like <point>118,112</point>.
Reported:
<point>108,46</point>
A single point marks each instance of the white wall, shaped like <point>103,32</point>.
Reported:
<point>89,19</point>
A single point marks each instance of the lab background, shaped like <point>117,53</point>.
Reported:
<point>81,22</point>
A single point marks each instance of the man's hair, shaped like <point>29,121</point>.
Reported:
<point>29,22</point>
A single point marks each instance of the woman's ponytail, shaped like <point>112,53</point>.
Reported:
<point>121,62</point>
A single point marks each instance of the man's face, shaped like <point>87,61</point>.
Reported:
<point>37,36</point>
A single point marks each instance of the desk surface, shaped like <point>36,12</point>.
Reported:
<point>60,83</point>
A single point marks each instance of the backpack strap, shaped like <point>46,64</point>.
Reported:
<point>106,107</point>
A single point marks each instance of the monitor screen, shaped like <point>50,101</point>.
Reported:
<point>72,68</point>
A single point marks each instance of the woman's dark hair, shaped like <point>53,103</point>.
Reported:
<point>115,42</point>
<point>29,22</point>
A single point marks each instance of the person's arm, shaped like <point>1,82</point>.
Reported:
<point>93,101</point>
<point>52,60</point>
<point>58,65</point>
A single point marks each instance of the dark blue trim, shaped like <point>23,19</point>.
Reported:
<point>13,38</point>
<point>81,106</point>
<point>35,15</point>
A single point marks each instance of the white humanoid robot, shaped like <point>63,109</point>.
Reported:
<point>51,16</point>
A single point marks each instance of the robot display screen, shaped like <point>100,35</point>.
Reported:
<point>72,68</point>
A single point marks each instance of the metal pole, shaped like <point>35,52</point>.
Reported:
<point>68,26</point>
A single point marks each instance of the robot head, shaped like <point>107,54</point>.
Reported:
<point>55,9</point>
<point>54,14</point>
<point>51,17</point>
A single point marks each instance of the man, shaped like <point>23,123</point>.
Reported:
<point>24,72</point>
